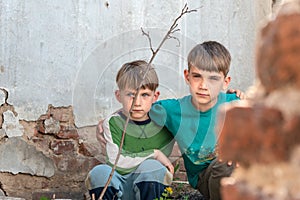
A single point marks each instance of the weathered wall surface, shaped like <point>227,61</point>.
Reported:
<point>66,54</point>
<point>46,157</point>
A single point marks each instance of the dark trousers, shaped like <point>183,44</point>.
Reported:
<point>209,179</point>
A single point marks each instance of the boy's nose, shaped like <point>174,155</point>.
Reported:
<point>203,84</point>
<point>138,100</point>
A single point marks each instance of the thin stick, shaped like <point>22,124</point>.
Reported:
<point>168,35</point>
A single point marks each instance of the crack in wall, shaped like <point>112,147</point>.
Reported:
<point>2,190</point>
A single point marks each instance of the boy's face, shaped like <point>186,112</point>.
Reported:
<point>205,87</point>
<point>142,105</point>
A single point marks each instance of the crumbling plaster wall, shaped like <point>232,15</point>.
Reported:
<point>67,52</point>
<point>57,63</point>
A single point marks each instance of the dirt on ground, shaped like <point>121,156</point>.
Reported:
<point>183,191</point>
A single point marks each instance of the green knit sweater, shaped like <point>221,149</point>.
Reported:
<point>141,138</point>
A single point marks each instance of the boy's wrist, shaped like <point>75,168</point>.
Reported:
<point>155,153</point>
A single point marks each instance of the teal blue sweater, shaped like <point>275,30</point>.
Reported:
<point>193,130</point>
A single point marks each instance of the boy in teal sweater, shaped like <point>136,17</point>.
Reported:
<point>143,170</point>
<point>192,118</point>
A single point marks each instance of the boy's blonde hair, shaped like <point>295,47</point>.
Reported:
<point>210,56</point>
<point>131,75</point>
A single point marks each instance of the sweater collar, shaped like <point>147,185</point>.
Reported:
<point>147,121</point>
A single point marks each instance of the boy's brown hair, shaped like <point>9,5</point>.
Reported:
<point>210,56</point>
<point>132,74</point>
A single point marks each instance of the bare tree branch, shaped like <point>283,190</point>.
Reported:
<point>172,30</point>
<point>149,38</point>
<point>168,35</point>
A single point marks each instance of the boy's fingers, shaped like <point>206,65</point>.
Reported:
<point>230,91</point>
<point>170,168</point>
<point>229,163</point>
<point>99,127</point>
<point>238,93</point>
<point>99,133</point>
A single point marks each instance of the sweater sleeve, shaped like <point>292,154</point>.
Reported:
<point>127,161</point>
<point>158,114</point>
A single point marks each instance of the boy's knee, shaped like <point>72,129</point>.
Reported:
<point>221,169</point>
<point>98,176</point>
<point>150,165</point>
<point>153,171</point>
<point>101,171</point>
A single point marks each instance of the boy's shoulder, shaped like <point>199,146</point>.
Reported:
<point>113,116</point>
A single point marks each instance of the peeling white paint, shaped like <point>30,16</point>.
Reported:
<point>26,159</point>
<point>49,48</point>
<point>11,125</point>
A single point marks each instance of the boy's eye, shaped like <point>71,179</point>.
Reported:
<point>196,75</point>
<point>145,95</point>
<point>214,78</point>
<point>130,94</point>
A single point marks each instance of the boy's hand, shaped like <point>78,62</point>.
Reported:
<point>158,155</point>
<point>238,93</point>
<point>100,136</point>
<point>230,162</point>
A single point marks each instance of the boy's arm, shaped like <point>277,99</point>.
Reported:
<point>100,136</point>
<point>158,155</point>
<point>158,114</point>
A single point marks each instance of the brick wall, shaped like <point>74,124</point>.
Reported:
<point>262,134</point>
<point>46,157</point>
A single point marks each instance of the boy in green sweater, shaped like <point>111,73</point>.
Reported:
<point>143,170</point>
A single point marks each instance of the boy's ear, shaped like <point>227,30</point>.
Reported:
<point>226,82</point>
<point>118,95</point>
<point>186,75</point>
<point>156,95</point>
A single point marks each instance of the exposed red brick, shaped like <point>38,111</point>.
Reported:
<point>291,130</point>
<point>44,117</point>
<point>40,126</point>
<point>29,128</point>
<point>75,164</point>
<point>62,147</point>
<point>42,143</point>
<point>176,151</point>
<point>233,191</point>
<point>180,176</point>
<point>62,114</point>
<point>65,133</point>
<point>84,150</point>
<point>278,52</point>
<point>253,134</point>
